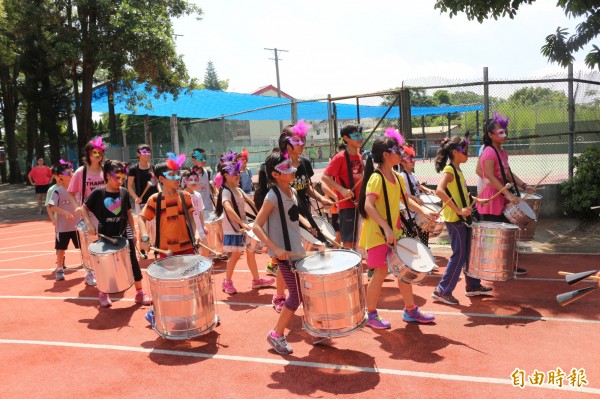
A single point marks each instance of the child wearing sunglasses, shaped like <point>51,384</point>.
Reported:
<point>231,202</point>
<point>112,207</point>
<point>456,214</point>
<point>190,182</point>
<point>60,203</point>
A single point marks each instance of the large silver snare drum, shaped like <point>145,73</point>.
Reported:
<point>535,203</point>
<point>85,239</point>
<point>112,265</point>
<point>410,261</point>
<point>214,225</point>
<point>183,296</point>
<point>333,292</point>
<point>493,251</point>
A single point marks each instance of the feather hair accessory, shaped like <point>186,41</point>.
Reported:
<point>501,120</point>
<point>395,134</point>
<point>175,162</point>
<point>68,164</point>
<point>229,157</point>
<point>219,180</point>
<point>408,150</point>
<point>97,143</point>
<point>300,128</point>
<point>233,168</point>
<point>244,154</point>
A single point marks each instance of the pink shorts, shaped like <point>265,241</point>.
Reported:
<point>377,256</point>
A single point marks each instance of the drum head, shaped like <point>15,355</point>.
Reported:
<point>81,226</point>
<point>324,225</point>
<point>526,209</point>
<point>430,198</point>
<point>329,262</point>
<point>306,236</point>
<point>422,262</point>
<point>250,233</point>
<point>102,247</point>
<point>495,226</point>
<point>179,267</point>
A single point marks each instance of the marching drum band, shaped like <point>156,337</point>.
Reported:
<point>386,218</point>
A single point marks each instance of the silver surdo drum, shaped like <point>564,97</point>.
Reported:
<point>410,261</point>
<point>535,202</point>
<point>214,225</point>
<point>332,288</point>
<point>112,265</point>
<point>183,296</point>
<point>253,243</point>
<point>85,239</point>
<point>520,214</point>
<point>493,254</point>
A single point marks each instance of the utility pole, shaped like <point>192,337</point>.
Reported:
<point>276,53</point>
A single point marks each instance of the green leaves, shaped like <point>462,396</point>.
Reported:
<point>583,190</point>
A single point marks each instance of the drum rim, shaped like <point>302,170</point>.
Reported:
<point>301,261</point>
<point>155,265</point>
<point>427,249</point>
<point>122,240</point>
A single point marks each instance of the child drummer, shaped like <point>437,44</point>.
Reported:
<point>112,207</point>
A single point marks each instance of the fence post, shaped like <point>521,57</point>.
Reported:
<point>571,111</point>
<point>148,135</point>
<point>486,95</point>
<point>405,116</point>
<point>174,134</point>
<point>357,111</point>
<point>223,133</point>
<point>332,143</point>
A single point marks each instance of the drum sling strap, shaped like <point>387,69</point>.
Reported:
<point>469,221</point>
<point>123,218</point>
<point>514,189</point>
<point>387,203</point>
<point>410,222</point>
<point>235,208</point>
<point>157,218</point>
<point>83,178</point>
<point>188,222</point>
<point>284,229</point>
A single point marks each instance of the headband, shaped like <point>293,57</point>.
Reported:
<point>97,144</point>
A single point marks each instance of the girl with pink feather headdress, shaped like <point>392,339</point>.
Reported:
<point>380,196</point>
<point>231,202</point>
<point>493,167</point>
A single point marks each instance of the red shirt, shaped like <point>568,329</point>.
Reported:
<point>338,169</point>
<point>41,175</point>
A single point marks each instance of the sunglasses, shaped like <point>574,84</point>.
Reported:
<point>356,136</point>
<point>170,176</point>
<point>462,150</point>
<point>198,156</point>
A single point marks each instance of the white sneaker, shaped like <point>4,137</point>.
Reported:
<point>90,279</point>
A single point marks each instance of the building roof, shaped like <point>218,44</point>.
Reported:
<point>270,91</point>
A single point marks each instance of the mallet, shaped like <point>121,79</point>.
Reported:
<point>573,278</point>
<point>113,241</point>
<point>209,249</point>
<point>167,252</point>
<point>537,184</point>
<point>568,297</point>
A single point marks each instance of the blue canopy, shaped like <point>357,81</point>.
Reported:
<point>205,104</point>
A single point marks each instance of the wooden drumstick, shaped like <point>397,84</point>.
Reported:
<point>148,185</point>
<point>537,184</point>
<point>209,249</point>
<point>595,207</point>
<point>408,249</point>
<point>113,241</point>
<point>506,187</point>
<point>437,215</point>
<point>332,240</point>
<point>168,252</point>
<point>342,200</point>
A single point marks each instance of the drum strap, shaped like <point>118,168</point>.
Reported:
<point>514,188</point>
<point>188,222</point>
<point>463,200</point>
<point>411,188</point>
<point>387,202</point>
<point>349,167</point>
<point>303,165</point>
<point>235,208</point>
<point>284,229</point>
<point>251,205</point>
<point>83,182</point>
<point>157,218</point>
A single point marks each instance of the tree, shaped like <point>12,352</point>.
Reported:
<point>559,46</point>
<point>211,80</point>
<point>528,96</point>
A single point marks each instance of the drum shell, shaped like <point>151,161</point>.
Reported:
<point>214,226</point>
<point>493,251</point>
<point>184,307</point>
<point>334,303</point>
<point>535,202</point>
<point>403,271</point>
<point>435,227</point>
<point>112,266</point>
<point>430,199</point>
<point>253,243</point>
<point>516,215</point>
<point>85,239</point>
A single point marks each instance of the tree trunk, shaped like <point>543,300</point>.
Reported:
<point>10,107</point>
<point>49,118</point>
<point>31,118</point>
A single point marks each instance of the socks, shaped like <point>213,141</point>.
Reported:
<point>275,335</point>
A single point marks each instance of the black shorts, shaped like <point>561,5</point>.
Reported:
<point>62,242</point>
<point>335,222</point>
<point>42,188</point>
<point>348,224</point>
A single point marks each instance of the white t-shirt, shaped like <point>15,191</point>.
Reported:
<point>479,179</point>
<point>415,184</point>
<point>198,208</point>
<point>241,205</point>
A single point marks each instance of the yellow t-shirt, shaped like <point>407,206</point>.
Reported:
<point>371,235</point>
<point>448,213</point>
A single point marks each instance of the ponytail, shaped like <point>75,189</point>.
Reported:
<point>369,169</point>
<point>262,189</point>
<point>444,153</point>
<point>219,208</point>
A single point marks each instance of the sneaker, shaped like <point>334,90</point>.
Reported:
<point>228,287</point>
<point>279,344</point>
<point>90,279</point>
<point>520,271</point>
<point>481,290</point>
<point>142,298</point>
<point>417,314</point>
<point>278,302</point>
<point>271,269</point>
<point>262,282</point>
<point>59,274</point>
<point>377,322</point>
<point>150,316</point>
<point>447,299</point>
<point>104,299</point>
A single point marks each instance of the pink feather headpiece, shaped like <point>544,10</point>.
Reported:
<point>175,162</point>
<point>301,128</point>
<point>68,164</point>
<point>219,180</point>
<point>97,144</point>
<point>395,134</point>
<point>501,120</point>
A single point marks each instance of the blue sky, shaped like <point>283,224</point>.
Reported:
<point>348,47</point>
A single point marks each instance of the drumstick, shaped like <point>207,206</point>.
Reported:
<point>113,241</point>
<point>437,215</point>
<point>209,249</point>
<point>407,249</point>
<point>342,200</point>
<point>331,239</point>
<point>537,184</point>
<point>595,207</point>
<point>148,185</point>
<point>168,252</point>
<point>506,187</point>
<point>573,278</point>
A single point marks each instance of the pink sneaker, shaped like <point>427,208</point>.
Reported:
<point>278,302</point>
<point>262,282</point>
<point>104,299</point>
<point>142,298</point>
<point>228,287</point>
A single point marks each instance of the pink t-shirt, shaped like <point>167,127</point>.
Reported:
<point>93,180</point>
<point>41,176</point>
<point>496,206</point>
